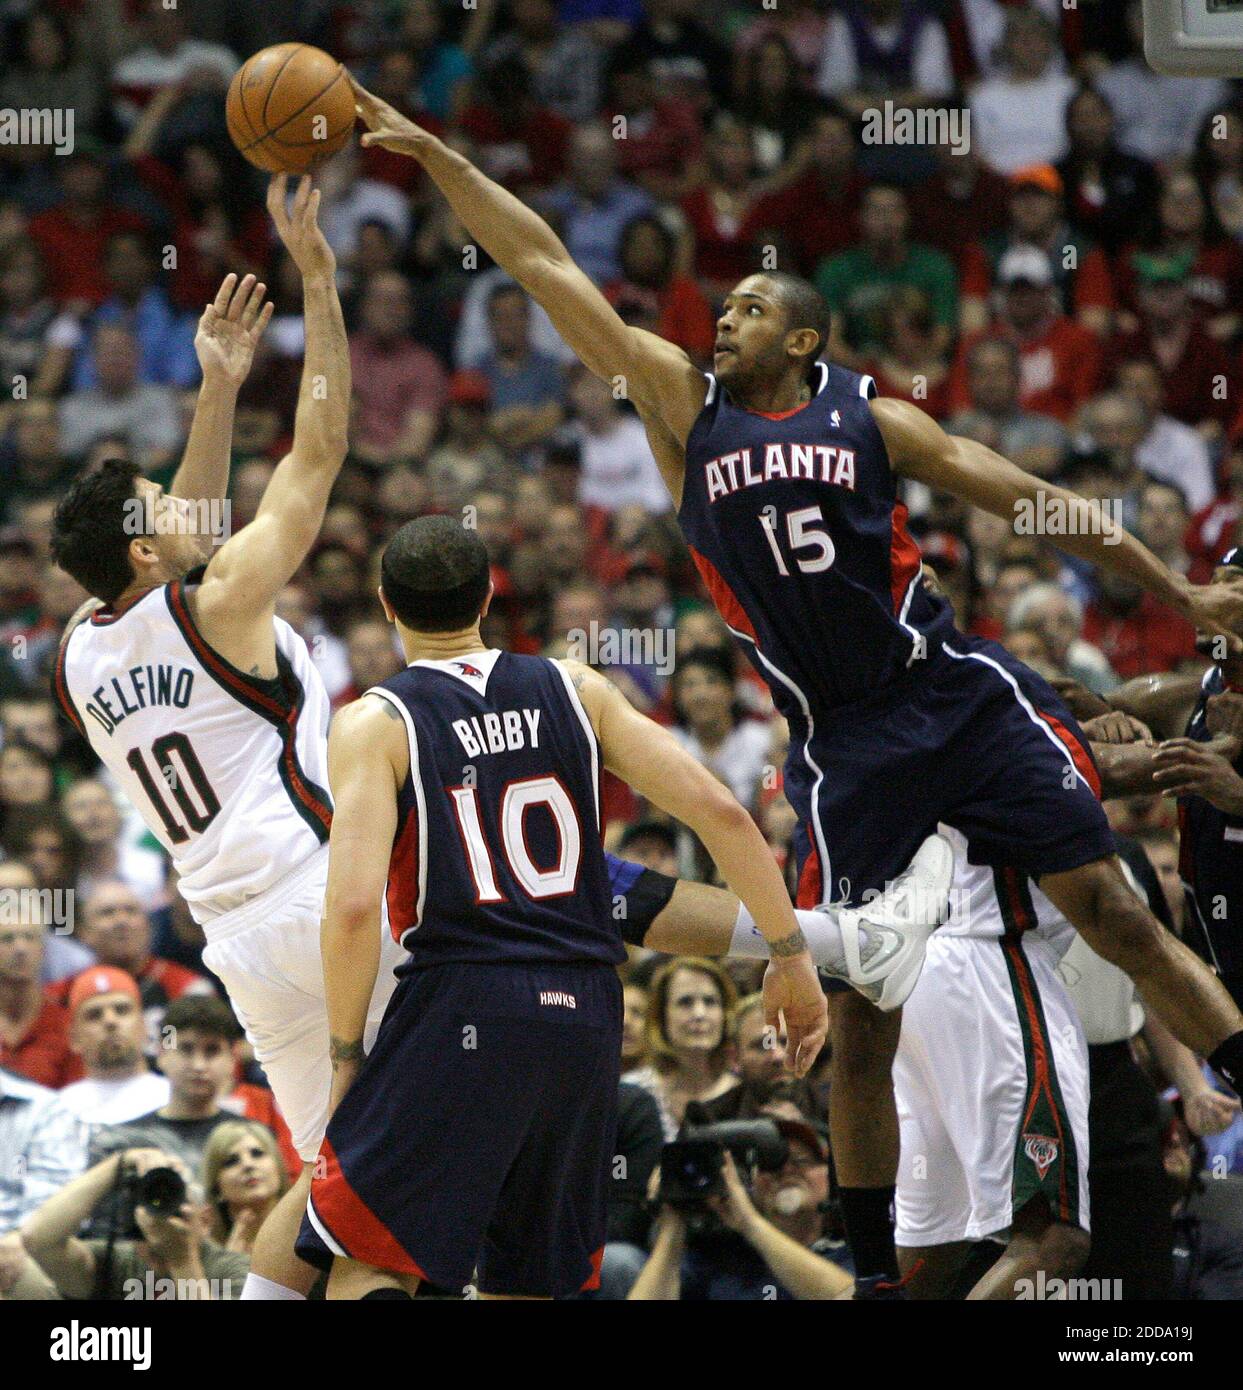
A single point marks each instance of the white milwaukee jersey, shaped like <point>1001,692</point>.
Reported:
<point>229,770</point>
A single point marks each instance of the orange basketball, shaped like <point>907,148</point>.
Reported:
<point>290,107</point>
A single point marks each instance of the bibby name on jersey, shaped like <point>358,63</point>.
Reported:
<point>498,732</point>
<point>821,463</point>
<point>138,688</point>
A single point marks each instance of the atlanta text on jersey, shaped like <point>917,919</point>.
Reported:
<point>824,463</point>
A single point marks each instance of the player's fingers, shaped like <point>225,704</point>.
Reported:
<point>254,302</point>
<point>241,295</point>
<point>312,208</point>
<point>265,318</point>
<point>224,293</point>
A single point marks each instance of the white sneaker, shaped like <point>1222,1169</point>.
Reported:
<point>914,905</point>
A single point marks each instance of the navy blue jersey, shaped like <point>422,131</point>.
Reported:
<point>497,855</point>
<point>796,528</point>
<point>1211,853</point>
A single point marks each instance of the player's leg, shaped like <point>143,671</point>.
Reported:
<point>1038,1247</point>
<point>1189,998</point>
<point>275,1271</point>
<point>352,1280</point>
<point>931,1271</point>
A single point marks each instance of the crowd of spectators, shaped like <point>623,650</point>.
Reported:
<point>1057,272</point>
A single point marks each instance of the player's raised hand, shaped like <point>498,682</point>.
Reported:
<point>792,992</point>
<point>298,226</point>
<point>386,126</point>
<point>1218,610</point>
<point>231,327</point>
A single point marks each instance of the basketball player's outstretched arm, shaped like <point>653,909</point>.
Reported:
<point>234,604</point>
<point>650,760</point>
<point>654,374</point>
<point>368,758</point>
<point>228,333</point>
<point>919,448</point>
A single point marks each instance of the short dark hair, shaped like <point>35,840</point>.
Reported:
<point>93,527</point>
<point>805,307</point>
<point>435,574</point>
<point>202,1013</point>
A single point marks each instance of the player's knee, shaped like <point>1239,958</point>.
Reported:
<point>864,1040</point>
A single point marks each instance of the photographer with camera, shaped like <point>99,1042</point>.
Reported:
<point>164,1253</point>
<point>716,1240</point>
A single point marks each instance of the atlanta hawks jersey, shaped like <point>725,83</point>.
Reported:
<point>497,855</point>
<point>228,770</point>
<point>795,526</point>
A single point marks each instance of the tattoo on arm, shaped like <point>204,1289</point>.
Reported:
<point>792,945</point>
<point>341,1050</point>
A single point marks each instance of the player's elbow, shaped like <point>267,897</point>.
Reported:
<point>353,912</point>
<point>719,812</point>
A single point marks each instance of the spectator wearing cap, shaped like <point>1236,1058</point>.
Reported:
<point>526,385</point>
<point>107,1032</point>
<point>41,1147</point>
<point>1187,226</point>
<point>116,927</point>
<point>468,453</point>
<point>1169,450</point>
<point>1108,192</point>
<point>34,1029</point>
<point>857,282</point>
<point>780,1249</point>
<point>73,235</point>
<point>1036,218</point>
<point>399,385</point>
<point>711,727</point>
<point>616,464</point>
<point>1158,115</point>
<point>1058,358</point>
<point>995,417</point>
<point>1194,368</point>
<point>1017,115</point>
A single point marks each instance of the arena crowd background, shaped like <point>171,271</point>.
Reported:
<point>1061,277</point>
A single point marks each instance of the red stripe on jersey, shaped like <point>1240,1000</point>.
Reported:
<point>811,880</point>
<point>402,892</point>
<point>904,558</point>
<point>354,1226</point>
<point>723,597</point>
<point>64,699</point>
<point>593,1279</point>
<point>1082,758</point>
<point>1018,909</point>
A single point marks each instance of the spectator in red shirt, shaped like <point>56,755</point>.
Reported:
<point>962,202</point>
<point>1059,359</point>
<point>720,210</point>
<point>659,138</point>
<point>399,386</point>
<point>116,927</point>
<point>1214,529</point>
<point>518,142</point>
<point>816,216</point>
<point>34,1030</point>
<point>74,235</point>
<point>912,365</point>
<point>1135,631</point>
<point>1037,218</point>
<point>1195,369</point>
<point>1188,228</point>
<point>653,294</point>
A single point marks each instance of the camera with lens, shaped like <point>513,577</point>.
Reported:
<point>691,1165</point>
<point>162,1191</point>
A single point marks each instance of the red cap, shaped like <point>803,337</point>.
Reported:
<point>469,388</point>
<point>101,979</point>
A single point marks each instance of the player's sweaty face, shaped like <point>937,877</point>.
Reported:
<point>749,331</point>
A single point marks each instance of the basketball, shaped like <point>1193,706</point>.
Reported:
<point>290,107</point>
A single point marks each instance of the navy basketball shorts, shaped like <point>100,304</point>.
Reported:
<point>976,741</point>
<point>479,1132</point>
